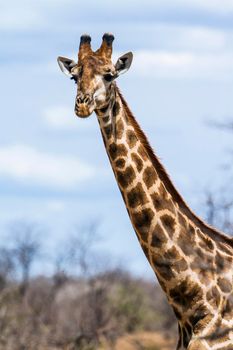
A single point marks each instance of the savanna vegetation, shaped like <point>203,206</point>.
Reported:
<point>94,307</point>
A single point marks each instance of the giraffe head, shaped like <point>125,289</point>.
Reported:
<point>94,74</point>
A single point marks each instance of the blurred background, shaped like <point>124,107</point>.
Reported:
<point>66,239</point>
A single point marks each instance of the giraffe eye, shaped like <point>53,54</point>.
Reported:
<point>108,77</point>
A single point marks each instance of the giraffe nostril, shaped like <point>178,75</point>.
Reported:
<point>84,99</point>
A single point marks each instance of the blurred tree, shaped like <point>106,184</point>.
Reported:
<point>219,209</point>
<point>7,266</point>
<point>25,246</point>
<point>95,305</point>
<point>77,254</point>
<point>218,202</point>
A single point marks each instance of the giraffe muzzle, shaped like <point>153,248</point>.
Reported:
<point>84,106</point>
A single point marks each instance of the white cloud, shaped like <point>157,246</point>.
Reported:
<point>25,15</point>
<point>170,36</point>
<point>54,14</point>
<point>196,38</point>
<point>17,17</point>
<point>30,166</point>
<point>63,118</point>
<point>223,6</point>
<point>55,205</point>
<point>216,6</point>
<point>183,65</point>
<point>60,117</point>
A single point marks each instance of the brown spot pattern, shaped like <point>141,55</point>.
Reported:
<point>228,309</point>
<point>213,296</point>
<point>120,163</point>
<point>142,222</point>
<point>202,323</point>
<point>160,204</point>
<point>138,162</point>
<point>180,265</point>
<point>221,263</point>
<point>185,242</point>
<point>119,129</point>
<point>205,241</point>
<point>225,285</point>
<point>186,293</point>
<point>158,237</point>
<point>203,265</point>
<point>168,224</point>
<point>125,178</point>
<point>142,153</point>
<point>163,192</point>
<point>131,138</point>
<point>163,267</point>
<point>108,131</point>
<point>105,119</point>
<point>196,319</point>
<point>172,254</point>
<point>149,176</point>
<point>137,196</point>
<point>117,151</point>
<point>177,262</point>
<point>218,334</point>
<point>116,109</point>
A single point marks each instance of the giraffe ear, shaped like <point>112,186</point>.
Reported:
<point>124,63</point>
<point>66,65</point>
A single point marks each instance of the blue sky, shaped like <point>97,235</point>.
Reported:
<point>53,166</point>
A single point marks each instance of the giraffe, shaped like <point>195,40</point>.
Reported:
<point>193,262</point>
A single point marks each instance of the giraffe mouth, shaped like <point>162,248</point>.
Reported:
<point>83,111</point>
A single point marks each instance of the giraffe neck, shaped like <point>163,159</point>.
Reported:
<point>153,211</point>
<point>175,241</point>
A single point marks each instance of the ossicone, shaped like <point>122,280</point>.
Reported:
<point>105,49</point>
<point>84,46</point>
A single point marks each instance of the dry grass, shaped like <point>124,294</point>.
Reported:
<point>144,341</point>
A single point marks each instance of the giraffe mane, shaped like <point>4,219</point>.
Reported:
<point>211,231</point>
